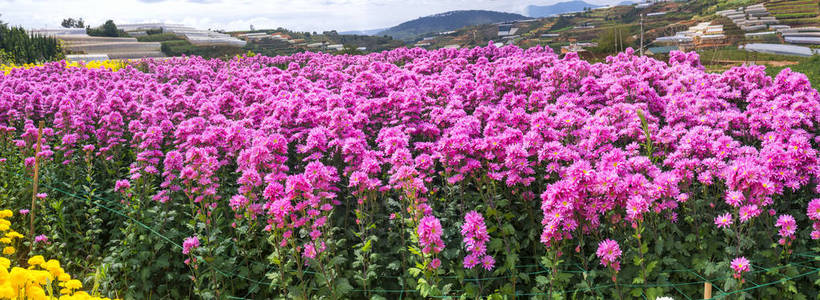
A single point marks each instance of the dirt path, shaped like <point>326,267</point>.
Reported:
<point>774,63</point>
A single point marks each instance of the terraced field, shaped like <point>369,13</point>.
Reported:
<point>795,13</point>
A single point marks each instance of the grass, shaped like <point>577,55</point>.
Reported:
<point>737,54</point>
<point>809,66</point>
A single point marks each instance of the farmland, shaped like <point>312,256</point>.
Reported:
<point>482,172</point>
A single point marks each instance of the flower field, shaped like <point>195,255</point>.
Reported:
<point>490,172</point>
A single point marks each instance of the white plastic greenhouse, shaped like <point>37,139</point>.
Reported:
<point>802,40</point>
<point>86,57</point>
<point>778,49</point>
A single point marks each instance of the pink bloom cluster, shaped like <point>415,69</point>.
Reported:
<point>609,252</point>
<point>787,226</point>
<point>429,232</point>
<point>475,238</point>
<point>283,140</point>
<point>189,244</point>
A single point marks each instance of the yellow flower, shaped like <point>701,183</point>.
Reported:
<point>53,266</point>
<point>19,277</point>
<point>64,277</point>
<point>42,277</point>
<point>5,240</point>
<point>5,263</point>
<point>6,213</point>
<point>8,250</point>
<point>14,235</point>
<point>36,292</point>
<point>74,284</point>
<point>36,260</point>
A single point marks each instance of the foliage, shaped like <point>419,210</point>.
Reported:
<point>108,29</point>
<point>183,47</point>
<point>73,23</point>
<point>19,47</point>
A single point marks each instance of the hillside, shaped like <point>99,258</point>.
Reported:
<point>447,21</point>
<point>537,11</point>
<point>363,32</point>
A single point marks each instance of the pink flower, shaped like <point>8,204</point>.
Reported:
<point>435,263</point>
<point>42,195</point>
<point>734,198</point>
<point>24,211</point>
<point>470,261</point>
<point>189,244</point>
<point>813,209</point>
<point>724,220</point>
<point>748,211</point>
<point>609,252</point>
<point>740,265</point>
<point>41,239</point>
<point>122,185</point>
<point>488,262</point>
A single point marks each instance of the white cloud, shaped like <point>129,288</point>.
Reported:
<point>306,15</point>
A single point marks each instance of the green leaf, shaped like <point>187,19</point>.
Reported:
<point>343,286</point>
<point>651,266</point>
<point>542,280</point>
<point>366,246</point>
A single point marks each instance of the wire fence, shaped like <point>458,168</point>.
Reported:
<point>805,265</point>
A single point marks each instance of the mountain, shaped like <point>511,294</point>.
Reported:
<point>625,3</point>
<point>447,21</point>
<point>537,11</point>
<point>364,32</point>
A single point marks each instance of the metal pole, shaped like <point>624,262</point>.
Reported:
<point>642,34</point>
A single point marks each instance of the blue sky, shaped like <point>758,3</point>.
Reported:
<point>306,15</point>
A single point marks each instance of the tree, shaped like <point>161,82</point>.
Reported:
<point>73,23</point>
<point>107,29</point>
<point>110,29</point>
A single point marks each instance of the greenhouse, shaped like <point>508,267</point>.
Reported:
<point>778,49</point>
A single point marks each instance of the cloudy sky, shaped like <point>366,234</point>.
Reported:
<point>304,15</point>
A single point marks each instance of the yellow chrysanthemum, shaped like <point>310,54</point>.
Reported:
<point>74,284</point>
<point>36,292</point>
<point>42,277</point>
<point>6,213</point>
<point>32,283</point>
<point>19,277</point>
<point>36,260</point>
